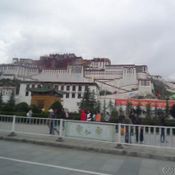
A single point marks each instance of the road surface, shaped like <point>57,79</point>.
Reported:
<point>29,159</point>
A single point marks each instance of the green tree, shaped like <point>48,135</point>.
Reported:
<point>22,107</point>
<point>160,89</point>
<point>172,111</point>
<point>114,116</point>
<point>88,101</point>
<point>58,108</point>
<point>104,108</point>
<point>10,105</point>
<point>148,110</point>
<point>98,106</point>
<point>105,92</point>
<point>138,110</point>
<point>121,115</point>
<point>167,108</point>
<point>128,108</point>
<point>35,109</point>
<point>156,111</point>
<point>1,101</point>
<point>110,106</point>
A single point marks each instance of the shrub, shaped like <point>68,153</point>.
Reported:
<point>22,107</point>
<point>74,116</point>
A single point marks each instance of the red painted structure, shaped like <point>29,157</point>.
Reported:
<point>154,103</point>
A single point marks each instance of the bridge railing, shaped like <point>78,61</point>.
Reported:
<point>128,134</point>
<point>33,125</point>
<point>147,135</point>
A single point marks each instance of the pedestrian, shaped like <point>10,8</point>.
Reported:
<point>93,116</point>
<point>98,117</point>
<point>66,114</point>
<point>141,134</point>
<point>139,130</point>
<point>107,117</point>
<point>83,115</point>
<point>52,123</point>
<point>162,135</point>
<point>29,116</point>
<point>127,120</point>
<point>89,116</point>
<point>162,131</point>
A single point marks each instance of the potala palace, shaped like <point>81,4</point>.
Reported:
<point>72,75</point>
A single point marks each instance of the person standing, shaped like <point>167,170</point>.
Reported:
<point>83,115</point>
<point>29,116</point>
<point>51,122</point>
<point>89,116</point>
<point>98,117</point>
<point>54,123</point>
<point>162,131</point>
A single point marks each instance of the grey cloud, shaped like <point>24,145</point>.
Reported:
<point>140,32</point>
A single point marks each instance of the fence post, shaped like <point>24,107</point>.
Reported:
<point>60,138</point>
<point>119,145</point>
<point>13,127</point>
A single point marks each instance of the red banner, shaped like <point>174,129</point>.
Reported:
<point>143,102</point>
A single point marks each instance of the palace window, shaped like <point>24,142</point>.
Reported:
<point>145,83</point>
<point>62,88</point>
<point>67,88</point>
<point>27,93</point>
<point>73,95</point>
<point>67,95</point>
<point>73,88</point>
<point>79,88</point>
<point>79,95</point>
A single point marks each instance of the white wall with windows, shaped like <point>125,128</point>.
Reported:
<point>72,93</point>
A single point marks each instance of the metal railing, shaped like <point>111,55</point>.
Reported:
<point>33,125</point>
<point>147,135</point>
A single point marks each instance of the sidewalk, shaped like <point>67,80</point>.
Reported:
<point>110,148</point>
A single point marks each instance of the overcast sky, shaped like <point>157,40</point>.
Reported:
<point>126,31</point>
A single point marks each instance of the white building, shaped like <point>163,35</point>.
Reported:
<point>120,81</point>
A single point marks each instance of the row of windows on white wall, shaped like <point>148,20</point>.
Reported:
<point>61,87</point>
<point>67,95</point>
<point>145,83</point>
<point>6,92</point>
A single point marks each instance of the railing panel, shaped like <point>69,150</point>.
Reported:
<point>155,136</point>
<point>6,123</point>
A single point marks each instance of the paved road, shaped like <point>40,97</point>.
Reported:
<point>29,159</point>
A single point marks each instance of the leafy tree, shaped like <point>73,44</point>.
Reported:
<point>58,108</point>
<point>128,108</point>
<point>105,92</point>
<point>110,106</point>
<point>148,110</point>
<point>138,110</point>
<point>35,109</point>
<point>167,108</point>
<point>11,101</point>
<point>160,89</point>
<point>156,111</point>
<point>88,101</point>
<point>98,106</point>
<point>22,107</point>
<point>10,105</point>
<point>121,115</point>
<point>84,104</point>
<point>172,111</point>
<point>114,116</point>
<point>104,108</point>
<point>1,101</point>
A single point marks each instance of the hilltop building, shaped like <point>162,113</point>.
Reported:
<point>72,75</point>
